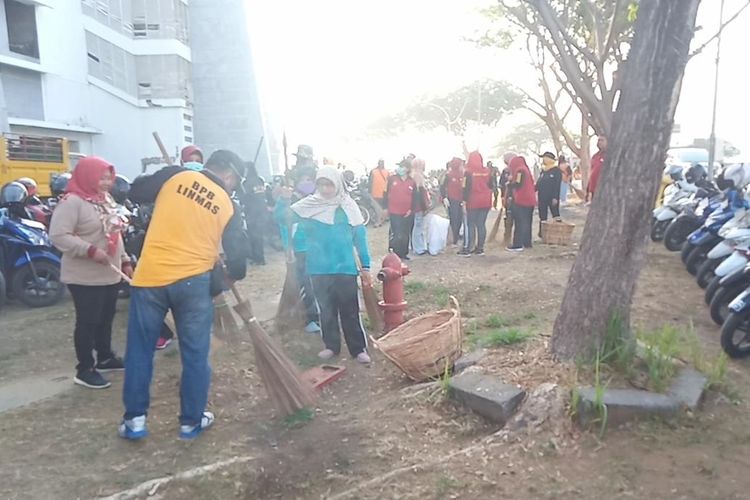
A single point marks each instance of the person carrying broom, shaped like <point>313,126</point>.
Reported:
<point>333,228</point>
<point>178,270</point>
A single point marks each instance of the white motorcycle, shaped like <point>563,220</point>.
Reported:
<point>676,198</point>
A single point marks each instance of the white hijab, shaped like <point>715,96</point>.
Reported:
<point>324,210</point>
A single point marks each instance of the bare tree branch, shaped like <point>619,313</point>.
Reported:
<point>718,33</point>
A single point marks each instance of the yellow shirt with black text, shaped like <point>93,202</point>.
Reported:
<point>184,235</point>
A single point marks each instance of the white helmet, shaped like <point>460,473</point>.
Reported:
<point>734,176</point>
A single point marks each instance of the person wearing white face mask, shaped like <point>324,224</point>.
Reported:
<point>191,157</point>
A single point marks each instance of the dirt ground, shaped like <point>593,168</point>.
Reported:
<point>367,424</point>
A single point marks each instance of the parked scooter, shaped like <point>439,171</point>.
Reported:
<point>29,262</point>
<point>676,197</point>
<point>735,331</point>
<point>735,233</point>
<point>692,217</point>
<point>737,261</point>
<point>731,180</point>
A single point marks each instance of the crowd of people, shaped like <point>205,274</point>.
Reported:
<point>469,188</point>
<point>199,240</point>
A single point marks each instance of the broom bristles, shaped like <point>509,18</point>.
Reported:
<point>286,389</point>
<point>290,308</point>
<point>225,325</point>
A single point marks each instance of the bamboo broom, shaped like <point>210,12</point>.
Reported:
<point>496,225</point>
<point>225,325</point>
<point>288,391</point>
<point>374,313</point>
<point>290,310</point>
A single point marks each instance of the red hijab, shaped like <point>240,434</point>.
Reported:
<point>84,182</point>
<point>475,162</point>
<point>188,151</point>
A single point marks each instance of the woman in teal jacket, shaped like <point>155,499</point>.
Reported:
<point>333,229</point>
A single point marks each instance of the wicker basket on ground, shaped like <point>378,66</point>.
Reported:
<point>557,232</point>
<point>423,346</point>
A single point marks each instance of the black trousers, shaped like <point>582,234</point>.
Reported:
<point>255,241</point>
<point>522,219</point>
<point>306,287</point>
<point>476,220</point>
<point>545,206</point>
<point>338,298</point>
<point>95,311</point>
<point>400,234</point>
<point>456,217</point>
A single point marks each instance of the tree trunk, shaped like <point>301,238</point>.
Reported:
<point>614,242</point>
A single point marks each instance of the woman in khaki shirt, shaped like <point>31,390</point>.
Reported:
<point>88,231</point>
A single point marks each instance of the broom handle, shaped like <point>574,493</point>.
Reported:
<point>168,320</point>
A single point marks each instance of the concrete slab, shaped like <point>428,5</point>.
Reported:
<point>688,388</point>
<point>467,360</point>
<point>624,405</point>
<point>487,395</point>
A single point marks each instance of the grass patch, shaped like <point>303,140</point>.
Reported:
<point>441,295</point>
<point>661,347</point>
<point>298,419</point>
<point>496,321</point>
<point>506,337</point>
<point>306,361</point>
<point>414,286</point>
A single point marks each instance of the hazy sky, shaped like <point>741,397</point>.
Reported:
<point>329,67</point>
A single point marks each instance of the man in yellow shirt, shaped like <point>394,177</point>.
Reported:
<point>194,216</point>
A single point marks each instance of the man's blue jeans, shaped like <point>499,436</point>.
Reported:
<point>192,307</point>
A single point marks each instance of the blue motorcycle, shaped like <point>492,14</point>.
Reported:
<point>703,239</point>
<point>28,261</point>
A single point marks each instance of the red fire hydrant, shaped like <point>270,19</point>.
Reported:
<point>393,303</point>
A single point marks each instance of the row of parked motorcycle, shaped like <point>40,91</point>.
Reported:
<point>709,224</point>
<point>29,263</point>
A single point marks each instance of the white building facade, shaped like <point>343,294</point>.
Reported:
<point>103,73</point>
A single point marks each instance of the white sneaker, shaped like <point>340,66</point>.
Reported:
<point>326,354</point>
<point>193,431</point>
<point>364,358</point>
<point>133,429</point>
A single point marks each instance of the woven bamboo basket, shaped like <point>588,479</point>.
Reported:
<point>557,232</point>
<point>423,346</point>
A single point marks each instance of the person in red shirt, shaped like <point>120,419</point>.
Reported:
<point>596,167</point>
<point>401,199</point>
<point>522,207</point>
<point>478,190</point>
<point>453,190</point>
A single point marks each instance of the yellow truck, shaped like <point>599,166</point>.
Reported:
<point>41,158</point>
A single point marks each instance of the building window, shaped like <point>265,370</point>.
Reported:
<point>163,77</point>
<point>111,64</point>
<point>22,35</point>
<point>23,93</point>
<point>141,18</point>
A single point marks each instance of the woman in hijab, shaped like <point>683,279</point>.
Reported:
<point>478,189</point>
<point>333,228</point>
<point>523,195</point>
<point>402,201</point>
<point>87,229</point>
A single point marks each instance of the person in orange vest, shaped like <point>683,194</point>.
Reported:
<point>596,167</point>
<point>378,183</point>
<point>478,191</point>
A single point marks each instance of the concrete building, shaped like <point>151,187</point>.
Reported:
<point>105,74</point>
